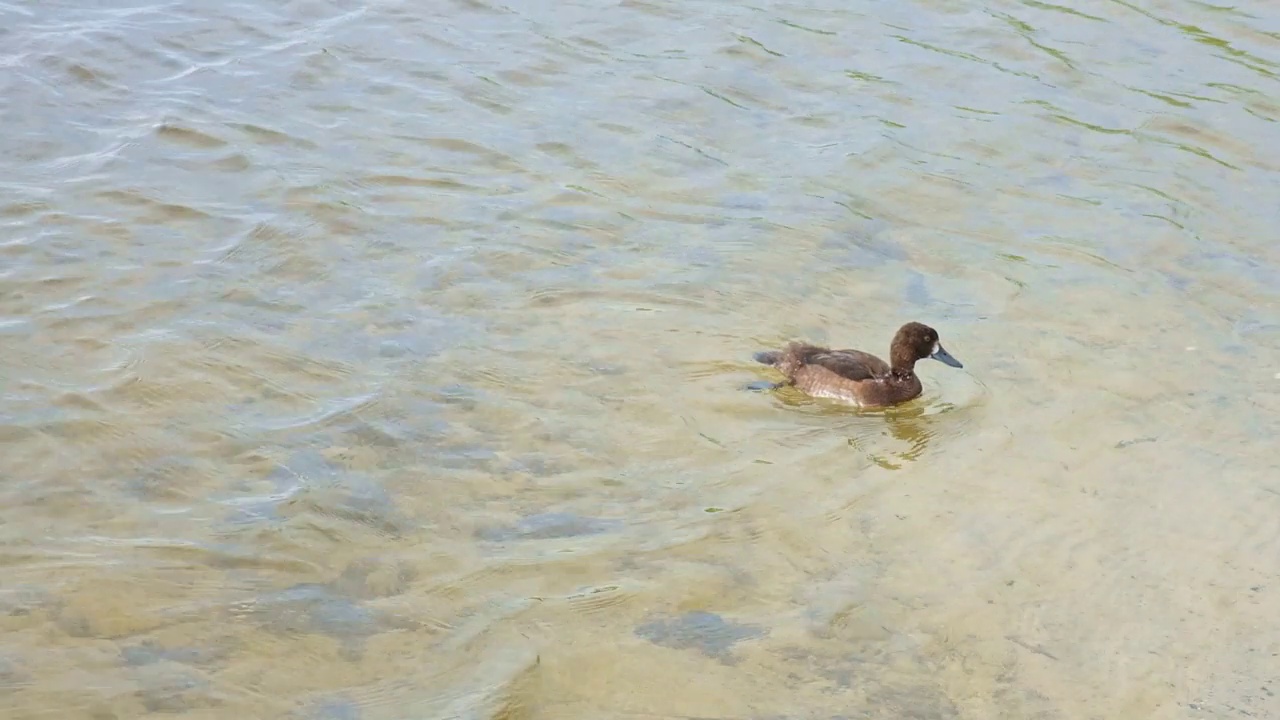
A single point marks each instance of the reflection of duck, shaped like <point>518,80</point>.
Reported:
<point>857,377</point>
<point>910,425</point>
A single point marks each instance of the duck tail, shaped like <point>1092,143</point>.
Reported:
<point>768,357</point>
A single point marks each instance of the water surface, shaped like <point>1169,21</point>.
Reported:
<point>368,360</point>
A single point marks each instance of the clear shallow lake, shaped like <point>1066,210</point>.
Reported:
<point>367,360</point>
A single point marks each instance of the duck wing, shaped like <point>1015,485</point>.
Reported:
<point>850,364</point>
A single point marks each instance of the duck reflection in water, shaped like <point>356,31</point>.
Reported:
<point>909,425</point>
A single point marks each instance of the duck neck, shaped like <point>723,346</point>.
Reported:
<point>902,362</point>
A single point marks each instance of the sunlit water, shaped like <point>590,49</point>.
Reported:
<point>391,360</point>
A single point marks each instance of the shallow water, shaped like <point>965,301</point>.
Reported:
<point>383,360</point>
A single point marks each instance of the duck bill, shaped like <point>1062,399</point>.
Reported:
<point>944,357</point>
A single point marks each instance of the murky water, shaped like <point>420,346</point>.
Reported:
<point>369,360</point>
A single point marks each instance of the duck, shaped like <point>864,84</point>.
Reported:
<point>860,378</point>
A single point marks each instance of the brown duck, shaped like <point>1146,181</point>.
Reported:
<point>857,377</point>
